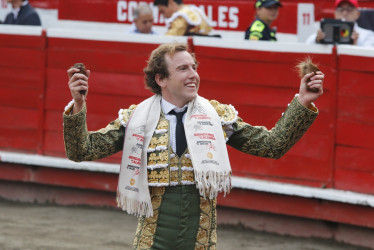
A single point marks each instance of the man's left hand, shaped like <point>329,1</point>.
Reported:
<point>309,92</point>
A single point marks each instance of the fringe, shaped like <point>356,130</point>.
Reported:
<point>133,206</point>
<point>212,182</point>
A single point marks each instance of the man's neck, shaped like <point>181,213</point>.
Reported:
<point>267,22</point>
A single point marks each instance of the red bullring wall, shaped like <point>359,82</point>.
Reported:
<point>258,78</point>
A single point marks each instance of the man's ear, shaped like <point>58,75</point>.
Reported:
<point>160,81</point>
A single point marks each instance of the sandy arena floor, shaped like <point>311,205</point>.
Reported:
<point>38,227</point>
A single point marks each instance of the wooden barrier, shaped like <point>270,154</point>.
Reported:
<point>22,82</point>
<point>354,160</point>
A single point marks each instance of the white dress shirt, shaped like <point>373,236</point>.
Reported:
<point>16,10</point>
<point>167,107</point>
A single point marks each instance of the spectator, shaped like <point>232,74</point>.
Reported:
<point>143,20</point>
<point>348,10</point>
<point>174,155</point>
<point>22,14</point>
<point>266,13</point>
<point>183,20</point>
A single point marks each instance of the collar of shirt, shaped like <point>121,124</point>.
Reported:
<point>16,10</point>
<point>166,108</point>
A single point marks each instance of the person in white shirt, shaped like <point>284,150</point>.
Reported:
<point>348,10</point>
<point>143,20</point>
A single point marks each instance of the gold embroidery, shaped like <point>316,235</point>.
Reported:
<point>202,236</point>
<point>146,228</point>
<point>163,140</point>
<point>164,176</point>
<point>174,176</point>
<point>186,161</point>
<point>163,157</point>
<point>207,235</point>
<point>163,124</point>
<point>153,143</point>
<point>227,113</point>
<point>152,176</point>
<point>173,162</point>
<point>159,175</point>
<point>152,158</point>
<point>188,176</point>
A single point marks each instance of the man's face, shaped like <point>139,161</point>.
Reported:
<point>144,23</point>
<point>166,11</point>
<point>347,12</point>
<point>268,14</point>
<point>183,82</point>
<point>14,1</point>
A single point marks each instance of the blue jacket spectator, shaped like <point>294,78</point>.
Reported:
<point>22,14</point>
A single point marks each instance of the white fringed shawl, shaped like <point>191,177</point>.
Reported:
<point>206,144</point>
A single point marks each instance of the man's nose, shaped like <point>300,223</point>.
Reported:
<point>193,73</point>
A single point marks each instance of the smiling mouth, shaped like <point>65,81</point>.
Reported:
<point>193,84</point>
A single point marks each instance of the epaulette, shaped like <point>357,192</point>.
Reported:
<point>125,114</point>
<point>257,26</point>
<point>227,113</point>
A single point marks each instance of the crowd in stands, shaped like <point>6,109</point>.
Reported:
<point>189,20</point>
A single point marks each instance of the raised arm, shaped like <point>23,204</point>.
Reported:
<point>274,143</point>
<point>81,144</point>
<point>299,116</point>
<point>84,145</point>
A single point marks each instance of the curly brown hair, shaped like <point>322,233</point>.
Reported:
<point>157,64</point>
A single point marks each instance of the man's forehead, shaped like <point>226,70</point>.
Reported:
<point>179,57</point>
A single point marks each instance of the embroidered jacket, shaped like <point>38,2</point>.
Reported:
<point>83,145</point>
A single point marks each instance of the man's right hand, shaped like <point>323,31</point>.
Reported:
<point>354,37</point>
<point>320,36</point>
<point>77,83</point>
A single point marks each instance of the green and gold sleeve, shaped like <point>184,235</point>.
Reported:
<point>274,143</point>
<point>84,145</point>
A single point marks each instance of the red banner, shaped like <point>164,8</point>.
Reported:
<point>225,15</point>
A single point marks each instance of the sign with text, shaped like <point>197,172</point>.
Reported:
<point>235,15</point>
<point>305,21</point>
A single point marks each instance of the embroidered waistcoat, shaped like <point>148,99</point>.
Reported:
<point>164,167</point>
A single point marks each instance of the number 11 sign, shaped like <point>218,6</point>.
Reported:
<point>305,21</point>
